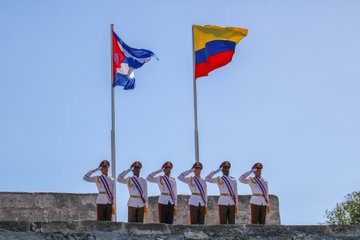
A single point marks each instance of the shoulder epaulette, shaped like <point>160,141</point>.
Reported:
<point>219,182</point>
<point>251,180</point>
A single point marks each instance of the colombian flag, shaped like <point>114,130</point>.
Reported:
<point>214,47</point>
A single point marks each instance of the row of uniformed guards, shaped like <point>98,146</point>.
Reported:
<point>137,203</point>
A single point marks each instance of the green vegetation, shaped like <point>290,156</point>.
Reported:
<point>347,212</point>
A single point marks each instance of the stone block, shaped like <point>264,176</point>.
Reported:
<point>44,200</point>
<point>46,206</point>
<point>16,200</point>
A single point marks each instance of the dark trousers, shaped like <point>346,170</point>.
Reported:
<point>258,214</point>
<point>103,212</point>
<point>166,213</point>
<point>136,214</point>
<point>227,214</point>
<point>197,214</point>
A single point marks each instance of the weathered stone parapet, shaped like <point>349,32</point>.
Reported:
<point>18,206</point>
<point>243,216</point>
<point>47,207</point>
<point>81,230</point>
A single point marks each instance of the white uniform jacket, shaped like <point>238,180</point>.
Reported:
<point>102,198</point>
<point>225,197</point>
<point>258,197</point>
<point>136,199</point>
<point>165,196</point>
<point>195,198</point>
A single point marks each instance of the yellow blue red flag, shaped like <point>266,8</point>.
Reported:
<point>214,47</point>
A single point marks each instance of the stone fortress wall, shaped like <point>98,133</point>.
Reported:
<point>48,207</point>
<point>55,216</point>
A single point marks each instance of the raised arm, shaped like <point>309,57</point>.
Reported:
<point>210,178</point>
<point>151,177</point>
<point>87,177</point>
<point>182,177</point>
<point>243,178</point>
<point>121,178</point>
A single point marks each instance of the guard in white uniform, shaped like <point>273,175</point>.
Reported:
<point>259,201</point>
<point>137,203</point>
<point>228,200</point>
<point>168,193</point>
<point>105,185</point>
<point>198,188</point>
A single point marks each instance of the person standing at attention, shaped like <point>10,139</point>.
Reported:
<point>198,188</point>
<point>259,202</point>
<point>105,184</point>
<point>168,193</point>
<point>137,203</point>
<point>228,200</point>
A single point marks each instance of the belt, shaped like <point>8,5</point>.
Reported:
<point>195,194</point>
<point>135,196</point>
<point>102,192</point>
<point>225,194</point>
<point>165,194</point>
<point>258,194</point>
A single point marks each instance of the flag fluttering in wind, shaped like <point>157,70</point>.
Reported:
<point>214,47</point>
<point>125,60</point>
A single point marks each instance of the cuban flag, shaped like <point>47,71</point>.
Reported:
<point>125,60</point>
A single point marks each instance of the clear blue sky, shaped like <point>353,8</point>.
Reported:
<point>289,99</point>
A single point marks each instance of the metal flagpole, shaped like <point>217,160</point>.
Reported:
<point>113,156</point>
<point>196,131</point>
